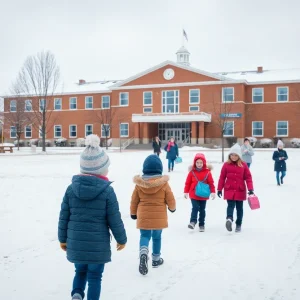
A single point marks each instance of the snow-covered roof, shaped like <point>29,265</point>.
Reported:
<point>264,77</point>
<point>183,50</point>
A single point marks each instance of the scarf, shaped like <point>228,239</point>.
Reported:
<point>98,176</point>
<point>170,144</point>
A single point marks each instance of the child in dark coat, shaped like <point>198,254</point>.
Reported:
<point>89,211</point>
<point>172,153</point>
<point>280,156</point>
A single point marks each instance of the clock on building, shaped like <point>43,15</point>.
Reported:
<point>169,74</point>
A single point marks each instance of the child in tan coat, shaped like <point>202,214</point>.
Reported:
<point>149,202</point>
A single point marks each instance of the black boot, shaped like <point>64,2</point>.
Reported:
<point>157,263</point>
<point>143,267</point>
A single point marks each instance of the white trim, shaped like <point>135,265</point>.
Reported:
<point>193,103</point>
<point>120,99</point>
<point>162,102</point>
<point>72,137</point>
<point>102,102</point>
<point>30,132</point>
<point>262,128</point>
<point>287,129</point>
<point>289,102</point>
<point>40,133</point>
<point>85,129</point>
<point>103,136</point>
<point>70,103</point>
<point>85,102</point>
<point>127,130</point>
<point>229,87</point>
<point>273,82</point>
<point>287,96</point>
<point>147,107</point>
<point>144,98</point>
<point>12,137</point>
<point>14,106</point>
<point>232,129</point>
<point>263,94</point>
<point>195,107</point>
<point>54,104</point>
<point>54,133</point>
<point>25,110</point>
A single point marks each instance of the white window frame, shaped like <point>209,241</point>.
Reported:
<point>193,103</point>
<point>223,94</point>
<point>72,137</point>
<point>15,106</point>
<point>144,98</point>
<point>287,129</point>
<point>162,102</point>
<point>225,135</point>
<point>10,131</point>
<point>86,130</point>
<point>194,106</point>
<point>287,95</point>
<point>71,103</point>
<point>103,136</point>
<point>108,102</point>
<point>89,108</point>
<point>263,94</point>
<point>41,110</point>
<point>120,98</point>
<point>262,128</point>
<point>40,132</point>
<point>28,101</point>
<point>147,112</point>
<point>127,129</point>
<point>57,137</point>
<point>28,137</point>
<point>55,103</point>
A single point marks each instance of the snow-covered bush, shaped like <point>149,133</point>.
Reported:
<point>80,142</point>
<point>295,143</point>
<point>62,142</point>
<point>252,140</point>
<point>21,143</point>
<point>266,143</point>
<point>47,142</point>
<point>34,142</point>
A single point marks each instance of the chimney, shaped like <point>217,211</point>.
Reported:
<point>259,69</point>
<point>81,81</point>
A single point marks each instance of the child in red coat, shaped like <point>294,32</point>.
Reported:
<point>200,171</point>
<point>232,179</point>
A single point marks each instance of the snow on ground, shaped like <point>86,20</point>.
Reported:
<point>262,262</point>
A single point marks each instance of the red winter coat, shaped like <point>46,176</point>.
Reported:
<point>191,181</point>
<point>232,180</point>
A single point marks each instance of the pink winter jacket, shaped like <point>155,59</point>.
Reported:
<point>232,180</point>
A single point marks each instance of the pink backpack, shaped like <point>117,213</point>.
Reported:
<point>253,202</point>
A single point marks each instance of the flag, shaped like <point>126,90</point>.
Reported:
<point>185,35</point>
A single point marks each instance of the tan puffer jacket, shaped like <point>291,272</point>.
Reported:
<point>150,200</point>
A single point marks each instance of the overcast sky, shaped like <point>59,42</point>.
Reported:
<point>115,39</point>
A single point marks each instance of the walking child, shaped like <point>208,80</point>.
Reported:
<point>156,145</point>
<point>149,202</point>
<point>89,211</point>
<point>234,174</point>
<point>247,152</point>
<point>280,156</point>
<point>172,153</point>
<point>199,172</point>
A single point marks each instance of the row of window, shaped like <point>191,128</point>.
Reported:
<point>105,131</point>
<point>282,128</point>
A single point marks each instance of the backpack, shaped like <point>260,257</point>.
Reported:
<point>202,189</point>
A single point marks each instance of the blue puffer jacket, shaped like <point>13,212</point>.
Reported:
<point>173,153</point>
<point>89,209</point>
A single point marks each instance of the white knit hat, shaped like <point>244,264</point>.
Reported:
<point>279,144</point>
<point>93,160</point>
<point>236,149</point>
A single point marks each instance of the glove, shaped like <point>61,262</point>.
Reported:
<point>219,194</point>
<point>120,247</point>
<point>212,196</point>
<point>172,211</point>
<point>186,195</point>
<point>133,217</point>
<point>250,192</point>
<point>63,246</point>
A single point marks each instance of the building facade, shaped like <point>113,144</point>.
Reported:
<point>173,99</point>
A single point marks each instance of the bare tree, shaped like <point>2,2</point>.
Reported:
<point>38,79</point>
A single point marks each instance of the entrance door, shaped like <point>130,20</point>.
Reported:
<point>176,133</point>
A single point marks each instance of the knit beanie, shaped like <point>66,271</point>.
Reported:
<point>236,149</point>
<point>280,144</point>
<point>93,160</point>
<point>152,166</point>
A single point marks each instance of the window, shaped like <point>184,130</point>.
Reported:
<point>28,132</point>
<point>257,128</point>
<point>105,102</point>
<point>282,94</point>
<point>124,99</point>
<point>282,128</point>
<point>147,110</point>
<point>170,102</point>
<point>57,131</point>
<point>13,105</point>
<point>229,128</point>
<point>88,129</point>
<point>41,132</point>
<point>105,130</point>
<point>57,104</point>
<point>194,108</point>
<point>28,105</point>
<point>73,103</point>
<point>42,105</point>
<point>194,96</point>
<point>124,130</point>
<point>147,98</point>
<point>13,132</point>
<point>73,131</point>
<point>89,102</point>
<point>257,95</point>
<point>227,94</point>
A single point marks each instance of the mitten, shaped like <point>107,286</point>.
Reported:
<point>250,192</point>
<point>219,194</point>
<point>63,246</point>
<point>120,246</point>
<point>133,217</point>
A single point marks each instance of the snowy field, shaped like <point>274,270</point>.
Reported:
<point>262,262</point>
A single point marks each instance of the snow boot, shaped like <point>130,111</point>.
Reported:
<point>157,263</point>
<point>191,225</point>
<point>143,267</point>
<point>201,228</point>
<point>76,297</point>
<point>238,228</point>
<point>229,224</point>
<point>281,180</point>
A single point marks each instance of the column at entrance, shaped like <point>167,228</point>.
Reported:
<point>137,133</point>
<point>145,133</point>
<point>201,133</point>
<point>194,133</point>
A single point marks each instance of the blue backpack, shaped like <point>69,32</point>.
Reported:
<point>202,189</point>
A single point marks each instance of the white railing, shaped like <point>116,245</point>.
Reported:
<point>127,143</point>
